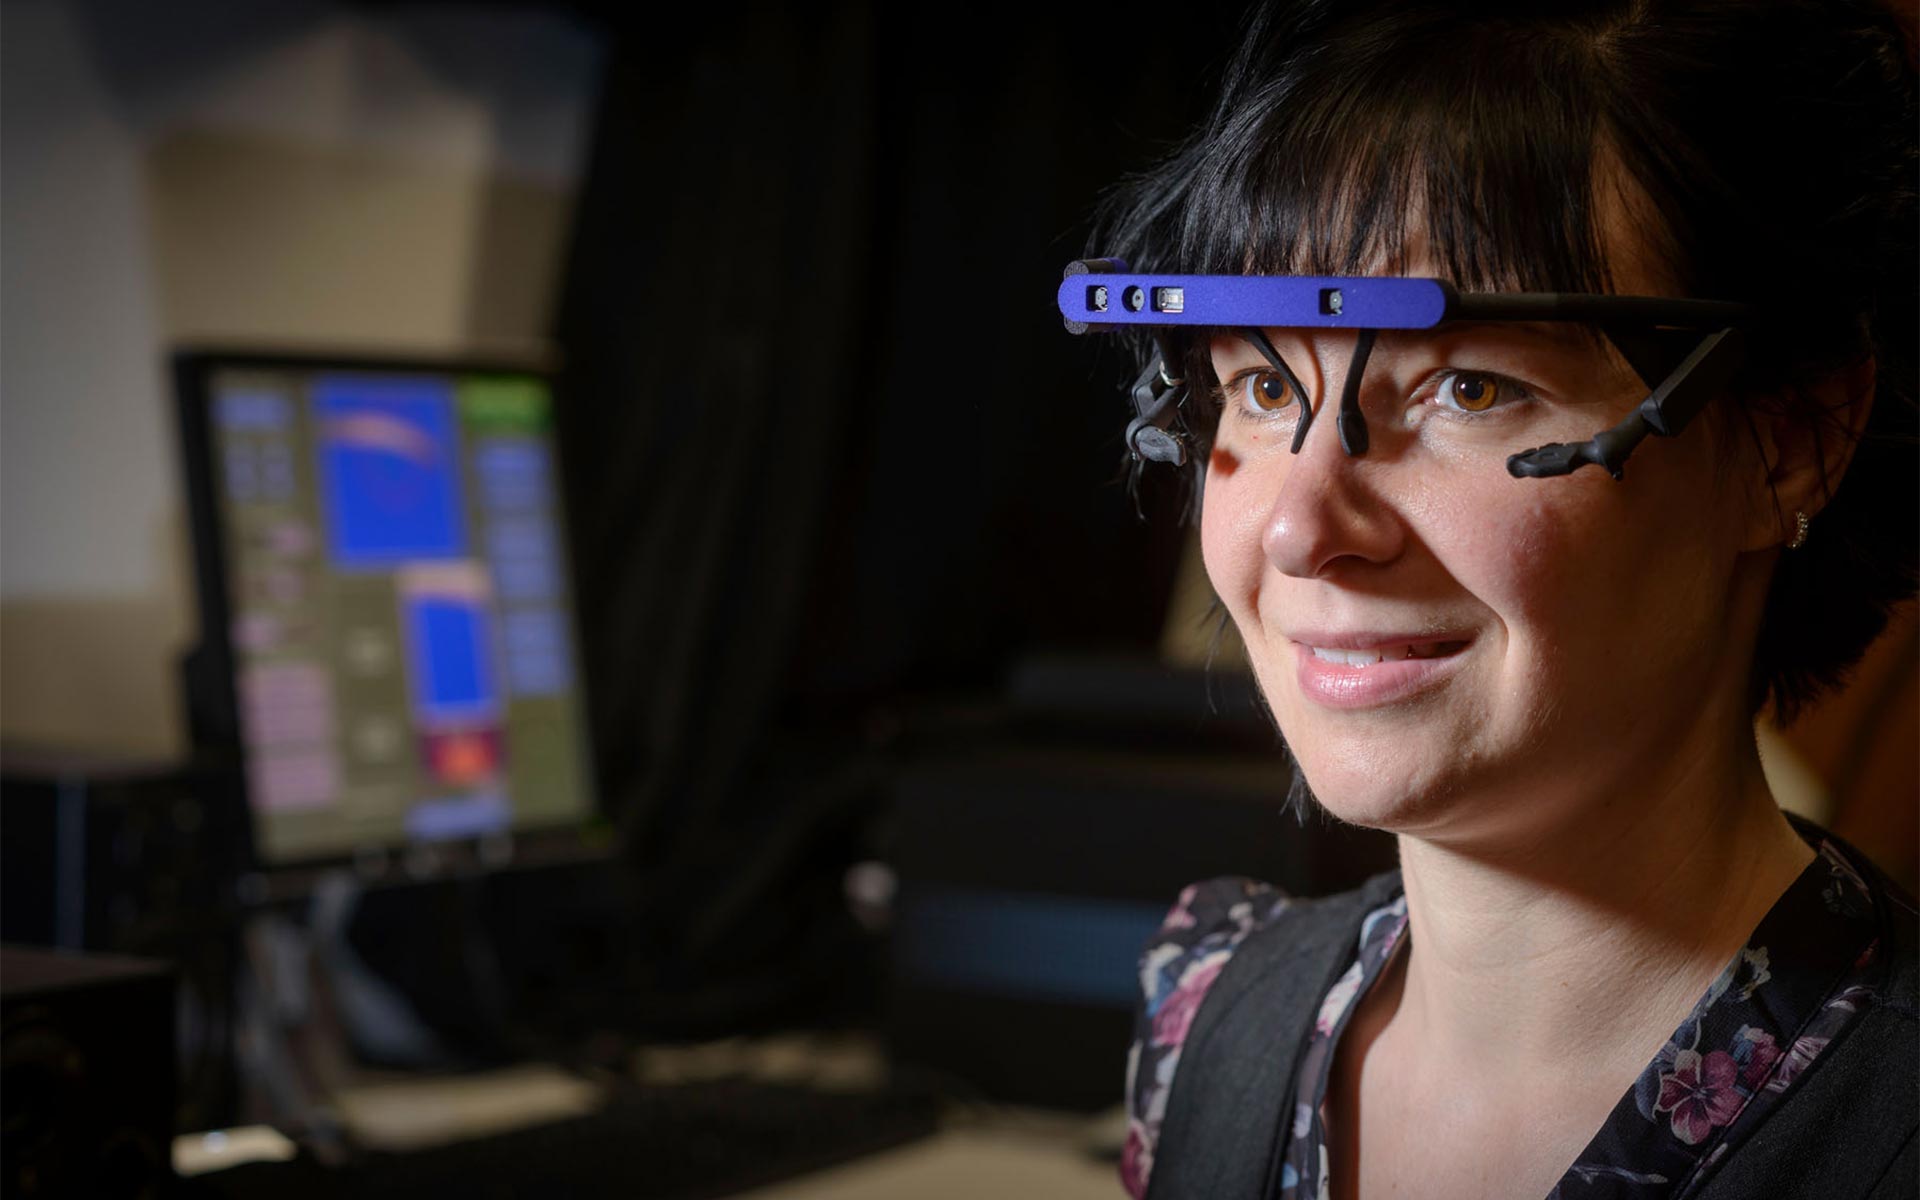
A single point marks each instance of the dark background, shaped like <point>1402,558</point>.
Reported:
<point>836,469</point>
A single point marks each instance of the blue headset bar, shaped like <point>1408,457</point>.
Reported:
<point>1095,299</point>
<point>1092,299</point>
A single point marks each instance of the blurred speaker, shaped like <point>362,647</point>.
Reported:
<point>87,1069</point>
<point>107,853</point>
<point>127,856</point>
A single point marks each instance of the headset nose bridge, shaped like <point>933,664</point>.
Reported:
<point>1349,420</point>
<point>1352,422</point>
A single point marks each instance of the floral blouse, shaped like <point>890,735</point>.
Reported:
<point>1801,977</point>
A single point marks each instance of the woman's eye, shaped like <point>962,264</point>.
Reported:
<point>1464,391</point>
<point>1266,391</point>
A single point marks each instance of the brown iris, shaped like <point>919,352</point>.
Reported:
<point>1268,391</point>
<point>1472,393</point>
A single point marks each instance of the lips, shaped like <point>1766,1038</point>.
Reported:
<point>1363,670</point>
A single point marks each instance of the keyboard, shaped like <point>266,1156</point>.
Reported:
<point>691,1141</point>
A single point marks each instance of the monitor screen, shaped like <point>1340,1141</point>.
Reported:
<point>394,589</point>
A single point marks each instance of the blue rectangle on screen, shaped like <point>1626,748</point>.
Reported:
<point>389,470</point>
<point>1073,949</point>
<point>458,817</point>
<point>536,644</point>
<point>513,474</point>
<point>524,559</point>
<point>452,675</point>
<point>253,411</point>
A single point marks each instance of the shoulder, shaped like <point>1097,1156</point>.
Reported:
<point>1213,919</point>
<point>1894,914</point>
<point>1860,1112</point>
<point>1848,1125</point>
<point>1178,966</point>
<point>1214,925</point>
<point>1199,934</point>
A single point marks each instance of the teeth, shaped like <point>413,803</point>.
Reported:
<point>1351,658</point>
<point>1366,658</point>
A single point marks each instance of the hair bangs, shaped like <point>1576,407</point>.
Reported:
<point>1462,154</point>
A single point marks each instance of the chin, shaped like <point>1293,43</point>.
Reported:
<point>1366,803</point>
<point>1397,792</point>
<point>1412,767</point>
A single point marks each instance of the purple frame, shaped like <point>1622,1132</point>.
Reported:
<point>1314,301</point>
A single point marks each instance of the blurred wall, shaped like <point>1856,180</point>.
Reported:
<point>284,173</point>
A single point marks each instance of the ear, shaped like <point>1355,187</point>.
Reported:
<point>1806,438</point>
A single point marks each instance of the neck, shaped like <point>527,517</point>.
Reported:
<point>1612,923</point>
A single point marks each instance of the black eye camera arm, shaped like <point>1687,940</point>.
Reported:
<point>1678,399</point>
<point>1157,394</point>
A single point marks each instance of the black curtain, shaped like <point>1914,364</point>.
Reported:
<point>829,451</point>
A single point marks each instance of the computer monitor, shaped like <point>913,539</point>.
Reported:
<point>387,618</point>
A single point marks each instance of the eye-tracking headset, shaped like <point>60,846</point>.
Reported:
<point>1686,351</point>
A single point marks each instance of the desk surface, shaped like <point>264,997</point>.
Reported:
<point>982,1150</point>
<point>962,1164</point>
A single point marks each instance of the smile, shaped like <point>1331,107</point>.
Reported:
<point>1369,671</point>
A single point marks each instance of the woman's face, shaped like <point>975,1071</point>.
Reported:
<point>1443,645</point>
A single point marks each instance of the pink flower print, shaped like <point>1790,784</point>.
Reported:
<point>1851,998</point>
<point>1802,1053</point>
<point>1699,1093</point>
<point>1761,1052</point>
<point>1338,997</point>
<point>1182,915</point>
<point>1171,1022</point>
<point>1136,1160</point>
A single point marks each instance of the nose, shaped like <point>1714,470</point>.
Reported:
<point>1328,514</point>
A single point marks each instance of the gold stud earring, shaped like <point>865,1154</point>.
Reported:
<point>1800,523</point>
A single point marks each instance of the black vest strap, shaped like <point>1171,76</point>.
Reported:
<point>1231,1102</point>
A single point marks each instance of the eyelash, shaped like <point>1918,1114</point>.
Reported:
<point>1511,391</point>
<point>1237,383</point>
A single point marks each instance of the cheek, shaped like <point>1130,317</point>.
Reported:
<point>1581,567</point>
<point>1523,551</point>
<point>1231,522</point>
<point>1538,545</point>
